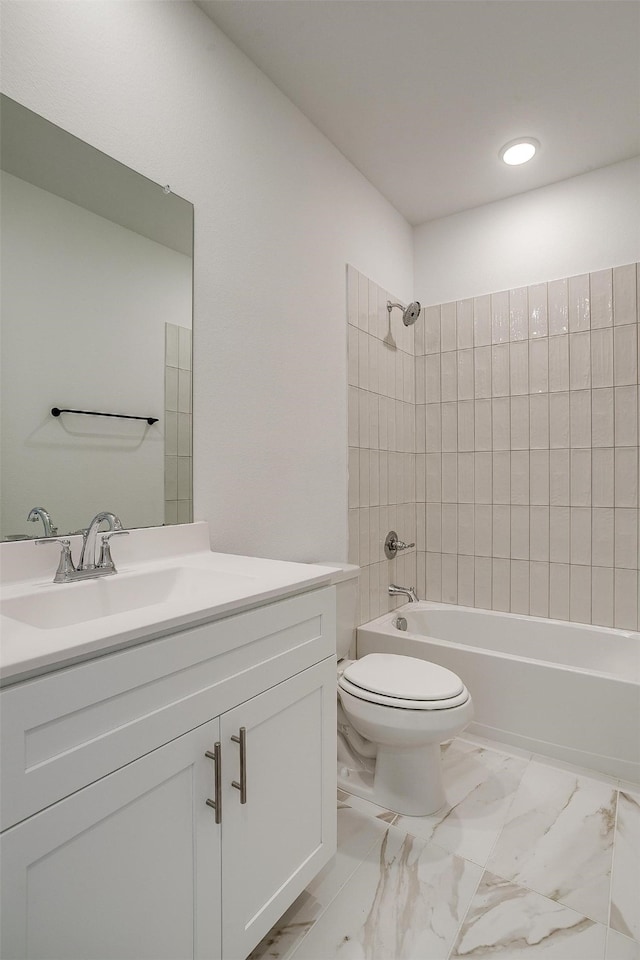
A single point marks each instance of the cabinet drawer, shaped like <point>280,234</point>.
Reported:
<point>65,730</point>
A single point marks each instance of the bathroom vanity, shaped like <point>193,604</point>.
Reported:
<point>168,790</point>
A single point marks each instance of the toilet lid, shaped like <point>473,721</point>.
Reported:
<point>403,678</point>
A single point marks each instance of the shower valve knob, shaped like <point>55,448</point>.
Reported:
<point>392,545</point>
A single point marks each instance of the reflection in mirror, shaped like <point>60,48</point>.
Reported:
<point>96,315</point>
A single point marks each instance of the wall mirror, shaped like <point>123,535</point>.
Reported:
<point>96,316</point>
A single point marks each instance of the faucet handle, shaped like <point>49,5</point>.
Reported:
<point>65,565</point>
<point>105,559</point>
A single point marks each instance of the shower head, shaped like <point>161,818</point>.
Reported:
<point>409,314</point>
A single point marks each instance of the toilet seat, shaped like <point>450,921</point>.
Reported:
<point>403,682</point>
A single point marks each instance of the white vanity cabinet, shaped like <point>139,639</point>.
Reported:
<point>122,857</point>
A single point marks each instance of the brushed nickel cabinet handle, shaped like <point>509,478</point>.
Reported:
<point>217,803</point>
<point>242,786</point>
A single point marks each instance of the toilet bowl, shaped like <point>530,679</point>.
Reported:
<point>393,714</point>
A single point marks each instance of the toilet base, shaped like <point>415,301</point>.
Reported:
<point>408,782</point>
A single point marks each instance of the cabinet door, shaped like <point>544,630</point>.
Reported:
<point>127,867</point>
<point>275,843</point>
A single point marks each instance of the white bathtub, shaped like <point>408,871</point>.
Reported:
<point>565,690</point>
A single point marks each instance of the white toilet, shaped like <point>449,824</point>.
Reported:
<point>393,714</point>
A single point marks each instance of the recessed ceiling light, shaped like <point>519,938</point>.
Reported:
<point>519,151</point>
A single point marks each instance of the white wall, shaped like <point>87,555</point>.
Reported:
<point>278,214</point>
<point>577,226</point>
<point>83,300</point>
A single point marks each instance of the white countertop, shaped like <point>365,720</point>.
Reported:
<point>190,584</point>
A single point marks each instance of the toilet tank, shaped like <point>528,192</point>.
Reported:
<point>345,580</point>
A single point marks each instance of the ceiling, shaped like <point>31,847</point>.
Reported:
<point>421,94</point>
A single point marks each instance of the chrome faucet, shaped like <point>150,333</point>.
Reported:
<point>90,535</point>
<point>87,567</point>
<point>409,592</point>
<point>39,513</point>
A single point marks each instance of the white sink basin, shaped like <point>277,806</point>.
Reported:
<point>67,604</point>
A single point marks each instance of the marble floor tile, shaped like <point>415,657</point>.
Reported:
<point>366,807</point>
<point>480,785</point>
<point>576,770</point>
<point>405,902</point>
<point>558,839</point>
<point>621,948</point>
<point>507,921</point>
<point>625,882</point>
<point>358,831</point>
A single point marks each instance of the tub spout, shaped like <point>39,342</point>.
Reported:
<point>409,592</point>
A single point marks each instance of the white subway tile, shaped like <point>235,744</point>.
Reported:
<point>581,535</point>
<point>520,423</point>
<point>538,314</point>
<point>580,594</point>
<point>602,358</point>
<point>539,536</point>
<point>501,532</point>
<point>602,541</point>
<point>433,527</point>
<point>449,477</point>
<point>501,423</point>
<point>559,534</point>
<point>482,411</point>
<point>482,321</point>
<point>602,596</point>
<point>500,370</point>
<point>520,575</point>
<point>374,478</point>
<point>466,579</point>
<point>558,301</point>
<point>432,379</point>
<point>580,478</point>
<point>449,578</point>
<point>579,303</point>
<point>421,429</point>
<point>482,372</point>
<point>365,458</point>
<point>363,360</point>
<point>624,294</point>
<point>539,421</point>
<point>501,585</point>
<point>559,474</point>
<point>558,364</point>
<point>539,366</point>
<point>352,352</point>
<point>502,476</point>
<point>363,418</point>
<point>559,591</point>
<point>579,361</point>
<point>374,421</point>
<point>518,314</point>
<point>483,477</point>
<point>539,477</point>
<point>483,529</point>
<point>449,427</point>
<point>580,417</point>
<point>376,539</point>
<point>363,517</point>
<point>384,477</point>
<point>602,417</point>
<point>466,524</point>
<point>539,589</point>
<point>374,380</point>
<point>602,298</point>
<point>625,355</point>
<point>434,577</point>
<point>483,582</point>
<point>626,538</point>
<point>519,532</point>
<point>519,368</point>
<point>448,335</point>
<point>375,293</point>
<point>466,422</point>
<point>364,587</point>
<point>465,477</point>
<point>602,466</point>
<point>354,536</point>
<point>500,317</point>
<point>353,415</point>
<point>626,477</point>
<point>626,416</point>
<point>559,420</point>
<point>625,599</point>
<point>465,375</point>
<point>433,438</point>
<point>449,376</point>
<point>354,477</point>
<point>464,318</point>
<point>432,329</point>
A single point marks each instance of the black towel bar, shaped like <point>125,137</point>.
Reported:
<point>56,411</point>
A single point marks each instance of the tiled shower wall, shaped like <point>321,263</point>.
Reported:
<point>382,460</point>
<point>178,460</point>
<point>525,448</point>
